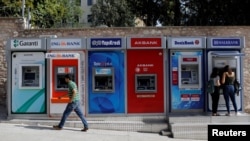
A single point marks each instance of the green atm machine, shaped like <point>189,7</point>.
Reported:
<point>26,76</point>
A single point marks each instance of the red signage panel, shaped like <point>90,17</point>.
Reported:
<point>146,42</point>
<point>189,59</point>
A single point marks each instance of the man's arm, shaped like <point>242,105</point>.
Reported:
<point>73,95</point>
<point>62,96</point>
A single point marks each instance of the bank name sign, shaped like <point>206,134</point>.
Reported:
<point>26,43</point>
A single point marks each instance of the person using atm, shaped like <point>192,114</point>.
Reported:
<point>216,94</point>
<point>228,79</point>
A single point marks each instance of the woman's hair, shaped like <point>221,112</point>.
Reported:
<point>228,69</point>
<point>214,72</point>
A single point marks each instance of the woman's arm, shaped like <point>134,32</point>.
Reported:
<point>218,81</point>
<point>223,78</point>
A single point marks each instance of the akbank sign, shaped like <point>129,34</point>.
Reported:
<point>26,43</point>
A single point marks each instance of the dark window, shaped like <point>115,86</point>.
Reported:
<point>90,2</point>
<point>89,18</point>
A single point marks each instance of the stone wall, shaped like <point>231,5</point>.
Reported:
<point>11,27</point>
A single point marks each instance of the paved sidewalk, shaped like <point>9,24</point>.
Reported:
<point>17,132</point>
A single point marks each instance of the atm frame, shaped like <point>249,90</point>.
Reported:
<point>198,73</point>
<point>39,76</point>
<point>94,74</point>
<point>225,56</point>
<point>73,78</point>
<point>146,90</point>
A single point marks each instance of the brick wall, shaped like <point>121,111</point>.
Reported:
<point>11,27</point>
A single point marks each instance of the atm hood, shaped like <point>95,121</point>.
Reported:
<point>224,54</point>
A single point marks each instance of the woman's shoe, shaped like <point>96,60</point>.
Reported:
<point>214,114</point>
<point>227,114</point>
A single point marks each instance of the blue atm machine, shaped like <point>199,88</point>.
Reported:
<point>106,75</point>
<point>222,51</point>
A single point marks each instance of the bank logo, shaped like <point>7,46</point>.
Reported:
<point>29,43</point>
<point>16,43</point>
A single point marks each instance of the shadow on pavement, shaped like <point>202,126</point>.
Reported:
<point>38,127</point>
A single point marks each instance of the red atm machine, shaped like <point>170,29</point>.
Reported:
<point>65,56</point>
<point>145,75</point>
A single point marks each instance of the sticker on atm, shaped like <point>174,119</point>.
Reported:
<point>195,97</point>
<point>185,97</point>
<point>189,59</point>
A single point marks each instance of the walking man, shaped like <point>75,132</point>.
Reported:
<point>74,104</point>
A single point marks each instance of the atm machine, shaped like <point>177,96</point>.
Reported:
<point>105,75</point>
<point>186,74</point>
<point>64,56</point>
<point>222,51</point>
<point>26,76</point>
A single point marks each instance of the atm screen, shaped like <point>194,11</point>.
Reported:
<point>103,83</point>
<point>61,84</point>
<point>61,81</point>
<point>186,74</point>
<point>103,79</point>
<point>29,76</point>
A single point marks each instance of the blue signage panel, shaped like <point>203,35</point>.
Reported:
<point>106,101</point>
<point>225,42</point>
<point>105,43</point>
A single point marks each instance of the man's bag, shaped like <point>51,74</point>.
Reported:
<point>210,86</point>
<point>237,87</point>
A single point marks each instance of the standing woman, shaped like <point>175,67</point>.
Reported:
<point>228,78</point>
<point>216,94</point>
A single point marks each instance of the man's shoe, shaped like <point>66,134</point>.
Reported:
<point>85,129</point>
<point>57,127</point>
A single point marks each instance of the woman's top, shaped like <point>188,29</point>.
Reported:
<point>229,80</point>
<point>216,79</point>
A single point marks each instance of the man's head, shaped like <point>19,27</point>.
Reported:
<point>67,78</point>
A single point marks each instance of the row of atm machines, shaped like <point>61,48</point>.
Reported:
<point>119,75</point>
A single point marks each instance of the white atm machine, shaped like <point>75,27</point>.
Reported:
<point>220,59</point>
<point>222,51</point>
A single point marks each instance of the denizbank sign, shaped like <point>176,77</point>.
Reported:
<point>186,42</point>
<point>26,43</point>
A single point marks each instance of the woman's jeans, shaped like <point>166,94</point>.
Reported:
<point>228,92</point>
<point>70,107</point>
<point>215,99</point>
